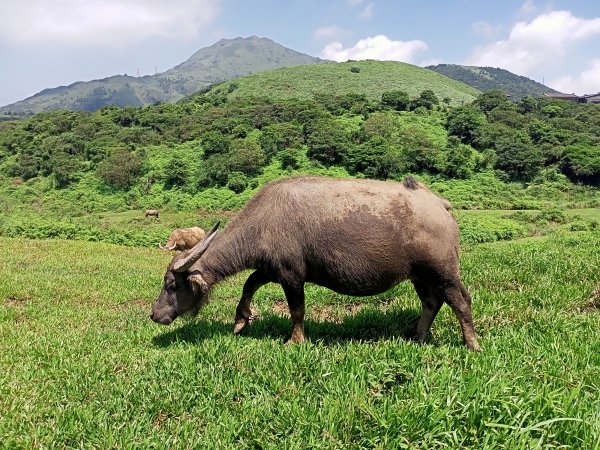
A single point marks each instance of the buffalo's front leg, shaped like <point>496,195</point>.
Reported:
<point>243,315</point>
<point>294,293</point>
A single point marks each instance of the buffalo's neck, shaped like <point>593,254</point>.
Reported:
<point>228,254</point>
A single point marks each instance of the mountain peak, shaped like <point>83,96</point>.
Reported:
<point>222,61</point>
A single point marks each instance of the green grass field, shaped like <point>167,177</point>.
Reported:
<point>371,79</point>
<point>83,366</point>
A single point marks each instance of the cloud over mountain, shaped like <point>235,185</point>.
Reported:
<point>115,23</point>
<point>544,41</point>
<point>378,47</point>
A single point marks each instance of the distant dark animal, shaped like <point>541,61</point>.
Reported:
<point>183,238</point>
<point>151,212</point>
<point>356,237</point>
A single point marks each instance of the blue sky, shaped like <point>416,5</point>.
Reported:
<point>50,43</point>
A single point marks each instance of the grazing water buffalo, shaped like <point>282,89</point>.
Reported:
<point>356,237</point>
<point>151,212</point>
<point>183,238</point>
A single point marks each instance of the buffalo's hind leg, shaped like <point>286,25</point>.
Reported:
<point>430,306</point>
<point>243,314</point>
<point>459,299</point>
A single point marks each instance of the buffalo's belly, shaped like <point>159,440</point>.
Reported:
<point>353,284</point>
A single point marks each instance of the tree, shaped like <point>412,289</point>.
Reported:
<point>419,152</point>
<point>466,123</point>
<point>215,142</point>
<point>176,172</point>
<point>289,159</point>
<point>517,156</point>
<point>396,100</point>
<point>459,160</point>
<point>214,171</point>
<point>582,163</point>
<point>120,169</point>
<point>508,116</point>
<point>246,156</point>
<point>327,141</point>
<point>491,99</point>
<point>28,166</point>
<point>237,182</point>
<point>373,158</point>
<point>277,137</point>
<point>427,99</point>
<point>65,168</point>
<point>380,124</point>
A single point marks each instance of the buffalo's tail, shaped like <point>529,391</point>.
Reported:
<point>410,183</point>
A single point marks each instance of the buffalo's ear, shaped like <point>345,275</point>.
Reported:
<point>197,283</point>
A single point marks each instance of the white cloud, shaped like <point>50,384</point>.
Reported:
<point>485,29</point>
<point>528,8</point>
<point>330,32</point>
<point>102,22</point>
<point>431,62</point>
<point>378,47</point>
<point>587,82</point>
<point>367,11</point>
<point>542,42</point>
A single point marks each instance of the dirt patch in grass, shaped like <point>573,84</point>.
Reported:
<point>160,418</point>
<point>323,313</point>
<point>17,301</point>
<point>280,308</point>
<point>592,304</point>
<point>17,304</point>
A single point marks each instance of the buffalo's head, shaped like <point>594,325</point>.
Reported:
<point>184,290</point>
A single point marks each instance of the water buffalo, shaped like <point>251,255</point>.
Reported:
<point>151,212</point>
<point>356,237</point>
<point>183,238</point>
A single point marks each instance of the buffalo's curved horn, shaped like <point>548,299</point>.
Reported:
<point>196,252</point>
<point>165,247</point>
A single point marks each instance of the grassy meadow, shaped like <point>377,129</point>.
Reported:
<point>368,77</point>
<point>83,366</point>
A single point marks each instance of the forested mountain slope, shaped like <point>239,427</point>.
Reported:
<point>487,78</point>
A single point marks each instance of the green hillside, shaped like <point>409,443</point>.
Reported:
<point>488,78</point>
<point>370,78</point>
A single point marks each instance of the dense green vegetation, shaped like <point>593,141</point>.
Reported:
<point>211,152</point>
<point>488,78</point>
<point>83,365</point>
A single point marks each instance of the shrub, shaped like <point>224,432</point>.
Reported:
<point>120,168</point>
<point>552,215</point>
<point>396,100</point>
<point>175,172</point>
<point>475,230</point>
<point>289,159</point>
<point>237,182</point>
<point>327,141</point>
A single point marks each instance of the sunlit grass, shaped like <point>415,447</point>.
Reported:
<point>84,366</point>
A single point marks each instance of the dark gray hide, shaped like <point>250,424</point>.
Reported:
<point>356,237</point>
